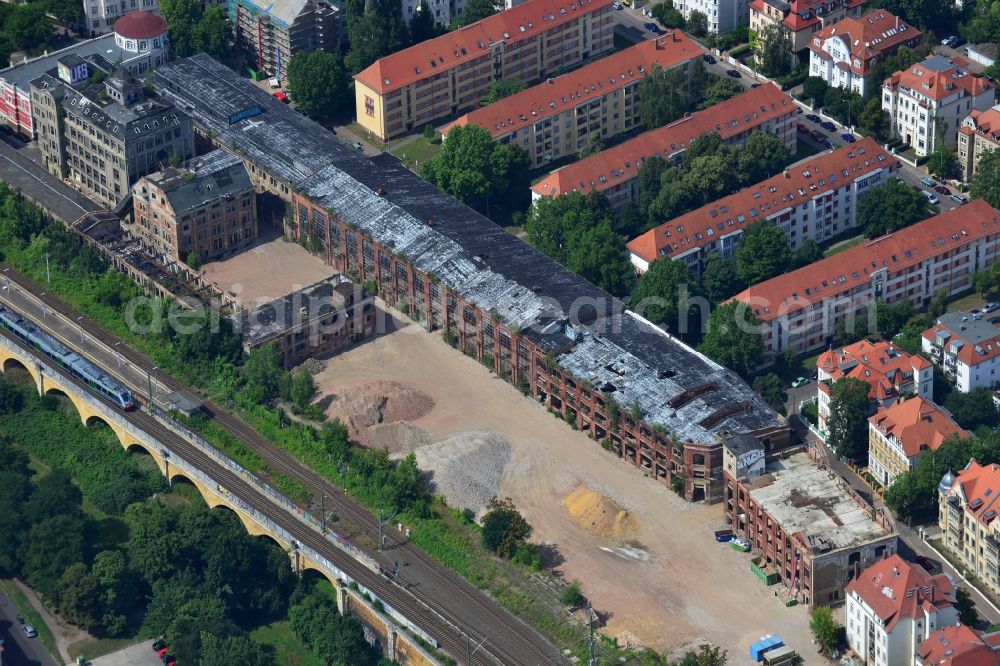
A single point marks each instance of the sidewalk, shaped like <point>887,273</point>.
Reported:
<point>58,630</point>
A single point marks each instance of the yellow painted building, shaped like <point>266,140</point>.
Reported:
<point>899,433</point>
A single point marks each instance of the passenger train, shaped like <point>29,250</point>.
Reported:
<point>87,372</point>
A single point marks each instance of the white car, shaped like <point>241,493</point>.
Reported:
<point>617,5</point>
<point>29,631</point>
<point>931,197</point>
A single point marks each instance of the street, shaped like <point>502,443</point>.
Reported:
<point>18,649</point>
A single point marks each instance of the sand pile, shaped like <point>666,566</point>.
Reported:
<point>399,437</point>
<point>466,467</point>
<point>361,406</point>
<point>600,515</point>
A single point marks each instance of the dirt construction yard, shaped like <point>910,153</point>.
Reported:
<point>647,559</point>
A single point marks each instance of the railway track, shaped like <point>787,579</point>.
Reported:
<point>450,596</point>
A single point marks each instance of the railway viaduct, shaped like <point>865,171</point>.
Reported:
<point>399,637</point>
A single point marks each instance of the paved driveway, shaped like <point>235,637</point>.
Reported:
<point>140,654</point>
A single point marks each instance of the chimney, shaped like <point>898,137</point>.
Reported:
<point>787,175</point>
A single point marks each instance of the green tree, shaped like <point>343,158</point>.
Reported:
<point>987,281</point>
<point>336,639</point>
<point>697,23</point>
<point>117,590</point>
<point>504,528</point>
<point>476,10</point>
<point>576,231</point>
<point>49,548</point>
<point>27,28</point>
<point>707,655</point>
<point>814,87</point>
<point>772,389</point>
<point>193,261</point>
<point>213,33</point>
<point>761,156</point>
<point>848,422</point>
<point>825,629</point>
<point>889,207</point>
<point>967,613</point>
<point>503,88</point>
<point>660,293</point>
<point>422,26</point>
<point>479,171</point>
<point>262,370</point>
<point>943,162</point>
<point>668,15</point>
<point>664,96</point>
<point>319,84</point>
<point>231,650</point>
<point>974,409</point>
<point>182,18</point>
<point>807,253</point>
<point>55,495</point>
<point>874,120</point>
<point>734,338</point>
<point>718,89</point>
<point>774,50</point>
<point>375,28</point>
<point>719,278</point>
<point>572,596</point>
<point>986,182</point>
<point>79,596</point>
<point>762,253</point>
<point>303,388</point>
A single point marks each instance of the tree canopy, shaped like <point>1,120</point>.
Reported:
<point>195,29</point>
<point>848,421</point>
<point>718,89</point>
<point>504,528</point>
<point>773,51</point>
<point>667,94</point>
<point>476,10</point>
<point>772,389</point>
<point>503,88</point>
<point>489,176</point>
<point>422,25</point>
<point>943,162</point>
<point>576,231</point>
<point>986,181</point>
<point>319,84</point>
<point>762,252</point>
<point>668,15</point>
<point>889,207</point>
<point>375,28</point>
<point>974,409</point>
<point>825,629</point>
<point>734,338</point>
<point>667,295</point>
<point>719,278</point>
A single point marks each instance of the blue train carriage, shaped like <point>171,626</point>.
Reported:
<point>69,360</point>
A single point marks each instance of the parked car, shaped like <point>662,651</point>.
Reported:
<point>930,196</point>
<point>799,381</point>
<point>159,644</point>
<point>954,41</point>
<point>168,659</point>
<point>959,199</point>
<point>929,565</point>
<point>976,314</point>
<point>990,307</point>
<point>734,74</point>
<point>817,136</point>
<point>941,189</point>
<point>617,5</point>
<point>828,126</point>
<point>812,117</point>
<point>162,652</point>
<point>281,96</point>
<point>652,27</point>
<point>928,181</point>
<point>848,138</point>
<point>29,631</point>
<point>829,144</point>
<point>709,59</point>
<point>357,145</point>
<point>802,127</point>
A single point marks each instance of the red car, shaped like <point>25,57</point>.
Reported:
<point>162,652</point>
<point>941,189</point>
<point>802,127</point>
<point>281,96</point>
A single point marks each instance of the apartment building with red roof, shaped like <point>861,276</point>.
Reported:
<point>615,172</point>
<point>928,101</point>
<point>979,133</point>
<point>844,54</point>
<point>889,371</point>
<point>968,506</point>
<point>802,309</point>
<point>893,606</point>
<point>560,117</point>
<point>959,645</point>
<point>801,18</point>
<point>899,433</point>
<point>815,199</point>
<point>444,76</point>
<point>966,348</point>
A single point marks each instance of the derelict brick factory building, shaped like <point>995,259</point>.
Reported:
<point>569,344</point>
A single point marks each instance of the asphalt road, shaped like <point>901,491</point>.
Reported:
<point>20,171</point>
<point>18,649</point>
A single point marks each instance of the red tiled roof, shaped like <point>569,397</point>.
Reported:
<point>875,35</point>
<point>592,81</point>
<point>742,113</point>
<point>793,19</point>
<point>849,269</point>
<point>767,198</point>
<point>472,41</point>
<point>956,645</point>
<point>967,353</point>
<point>980,486</point>
<point>140,25</point>
<point>938,85</point>
<point>895,589</point>
<point>917,423</point>
<point>879,363</point>
<point>985,122</point>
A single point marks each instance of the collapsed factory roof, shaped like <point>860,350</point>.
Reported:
<point>299,308</point>
<point>579,323</point>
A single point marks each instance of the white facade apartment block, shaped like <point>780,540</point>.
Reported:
<point>966,348</point>
<point>828,70</point>
<point>928,102</point>
<point>100,15</point>
<point>723,15</point>
<point>442,10</point>
<point>867,635</point>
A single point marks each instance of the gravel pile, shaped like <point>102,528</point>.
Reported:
<point>368,404</point>
<point>466,467</point>
<point>398,438</point>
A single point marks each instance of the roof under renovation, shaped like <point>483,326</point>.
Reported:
<point>473,256</point>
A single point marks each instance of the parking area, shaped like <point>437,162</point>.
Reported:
<point>140,654</point>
